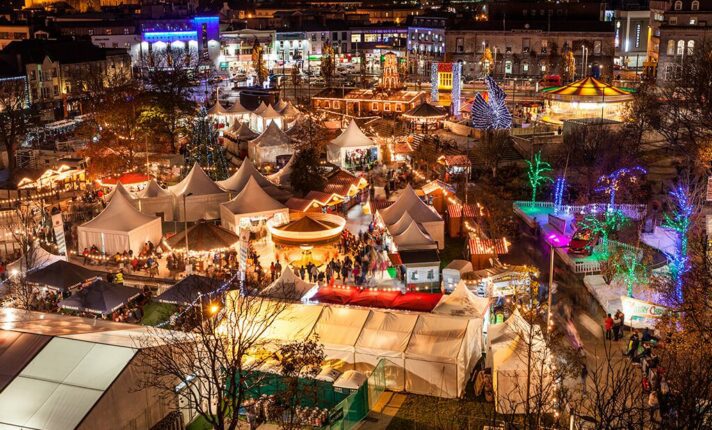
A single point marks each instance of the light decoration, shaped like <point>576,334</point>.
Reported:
<point>611,183</point>
<point>537,173</point>
<point>491,114</point>
<point>680,222</point>
<point>205,149</point>
<point>456,88</point>
<point>612,221</point>
<point>434,95</point>
<point>632,269</point>
<point>559,193</point>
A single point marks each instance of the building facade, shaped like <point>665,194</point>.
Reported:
<point>687,26</point>
<point>11,32</point>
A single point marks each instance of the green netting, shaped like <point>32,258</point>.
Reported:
<point>355,407</point>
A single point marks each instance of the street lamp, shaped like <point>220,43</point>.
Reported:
<point>185,223</point>
<point>551,239</point>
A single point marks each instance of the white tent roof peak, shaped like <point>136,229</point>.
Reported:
<point>462,302</point>
<point>217,109</point>
<point>197,182</point>
<point>252,199</point>
<point>153,190</point>
<point>269,113</point>
<point>259,109</point>
<point>239,179</point>
<point>414,238</point>
<point>288,286</point>
<point>119,215</point>
<point>401,225</point>
<point>281,104</point>
<point>120,189</point>
<point>290,111</point>
<point>409,202</point>
<point>237,108</point>
<point>353,137</point>
<point>272,136</point>
<point>242,131</point>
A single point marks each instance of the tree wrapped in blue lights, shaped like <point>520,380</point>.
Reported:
<point>559,193</point>
<point>491,114</point>
<point>205,149</point>
<point>537,173</point>
<point>680,221</point>
<point>611,183</point>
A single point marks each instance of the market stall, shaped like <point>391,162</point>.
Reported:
<point>100,297</point>
<point>288,286</point>
<point>119,227</point>
<point>237,113</point>
<point>237,182</point>
<point>266,117</point>
<point>197,197</point>
<point>60,275</point>
<point>154,200</point>
<point>425,117</point>
<point>270,145</point>
<point>352,148</point>
<point>188,290</point>
<point>419,212</point>
<point>251,209</point>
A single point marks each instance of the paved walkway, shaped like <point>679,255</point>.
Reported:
<point>383,411</point>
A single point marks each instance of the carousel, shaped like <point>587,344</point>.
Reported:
<point>424,117</point>
<point>586,98</point>
<point>308,237</point>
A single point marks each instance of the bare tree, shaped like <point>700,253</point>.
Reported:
<point>215,360</point>
<point>15,116</point>
<point>492,148</point>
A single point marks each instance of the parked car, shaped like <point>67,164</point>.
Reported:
<point>583,241</point>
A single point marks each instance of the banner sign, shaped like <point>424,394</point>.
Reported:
<point>640,314</point>
<point>58,227</point>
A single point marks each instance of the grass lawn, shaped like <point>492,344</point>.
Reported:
<point>155,313</point>
<point>426,413</point>
<point>199,424</point>
<point>453,250</point>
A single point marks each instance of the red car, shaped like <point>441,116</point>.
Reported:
<point>583,242</point>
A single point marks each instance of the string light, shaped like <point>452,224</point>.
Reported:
<point>610,183</point>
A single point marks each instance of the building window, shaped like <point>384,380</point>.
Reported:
<point>680,47</point>
<point>695,5</point>
<point>386,107</point>
<point>126,31</point>
<point>678,5</point>
<point>414,275</point>
<point>355,38</point>
<point>374,107</point>
<point>671,47</point>
<point>690,47</point>
<point>460,44</point>
<point>343,35</point>
<point>399,107</point>
<point>56,90</point>
<point>91,32</point>
<point>107,32</point>
<point>525,67</point>
<point>673,20</point>
<point>334,36</point>
<point>431,274</point>
<point>508,67</point>
<point>313,37</point>
<point>597,44</point>
<point>693,21</point>
<point>337,105</point>
<point>327,104</point>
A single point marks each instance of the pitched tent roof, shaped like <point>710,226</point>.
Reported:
<point>353,137</point>
<point>204,236</point>
<point>269,113</point>
<point>217,109</point>
<point>284,174</point>
<point>288,286</point>
<point>16,351</point>
<point>252,199</point>
<point>153,190</point>
<point>414,238</point>
<point>60,275</point>
<point>237,108</point>
<point>272,136</point>
<point>462,302</point>
<point>281,105</point>
<point>196,182</point>
<point>186,291</point>
<point>410,202</point>
<point>119,215</point>
<point>120,189</point>
<point>100,297</point>
<point>401,225</point>
<point>290,111</point>
<point>239,179</point>
<point>242,131</point>
<point>259,109</point>
<point>39,258</point>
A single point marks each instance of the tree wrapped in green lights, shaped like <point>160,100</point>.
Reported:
<point>611,222</point>
<point>205,149</point>
<point>537,173</point>
<point>630,267</point>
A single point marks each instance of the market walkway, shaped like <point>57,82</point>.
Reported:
<point>383,411</point>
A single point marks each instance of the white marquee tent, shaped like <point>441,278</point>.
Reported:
<point>462,302</point>
<point>238,113</point>
<point>429,354</point>
<point>413,238</point>
<point>202,197</point>
<point>154,200</point>
<point>251,205</point>
<point>288,286</point>
<point>419,212</point>
<point>269,145</point>
<point>119,227</point>
<point>237,182</point>
<point>351,139</point>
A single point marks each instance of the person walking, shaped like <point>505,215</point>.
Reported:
<point>584,377</point>
<point>608,327</point>
<point>618,325</point>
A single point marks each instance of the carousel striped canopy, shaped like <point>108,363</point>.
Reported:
<point>588,88</point>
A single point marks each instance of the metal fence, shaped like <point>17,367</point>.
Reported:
<point>354,408</point>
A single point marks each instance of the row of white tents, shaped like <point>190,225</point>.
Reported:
<point>412,224</point>
<point>282,113</point>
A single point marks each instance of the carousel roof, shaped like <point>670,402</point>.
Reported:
<point>353,137</point>
<point>203,237</point>
<point>239,179</point>
<point>307,224</point>
<point>217,109</point>
<point>242,131</point>
<point>586,89</point>
<point>153,190</point>
<point>252,199</point>
<point>425,111</point>
<point>197,183</point>
<point>272,136</point>
<point>237,108</point>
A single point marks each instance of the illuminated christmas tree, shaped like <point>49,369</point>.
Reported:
<point>205,149</point>
<point>537,173</point>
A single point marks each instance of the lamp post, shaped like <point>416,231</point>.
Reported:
<point>185,223</point>
<point>552,248</point>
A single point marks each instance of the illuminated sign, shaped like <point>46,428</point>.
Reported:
<point>640,314</point>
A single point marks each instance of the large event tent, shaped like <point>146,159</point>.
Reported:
<point>428,354</point>
<point>100,297</point>
<point>197,197</point>
<point>237,112</point>
<point>516,351</point>
<point>413,238</point>
<point>419,212</point>
<point>267,117</point>
<point>462,302</point>
<point>251,206</point>
<point>119,227</point>
<point>269,145</point>
<point>288,286</point>
<point>237,182</point>
<point>352,139</point>
<point>188,289</point>
<point>154,200</point>
<point>60,275</point>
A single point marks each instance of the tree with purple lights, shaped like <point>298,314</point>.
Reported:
<point>537,173</point>
<point>610,183</point>
<point>679,221</point>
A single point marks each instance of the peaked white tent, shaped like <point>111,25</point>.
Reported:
<point>290,114</point>
<point>238,180</point>
<point>267,117</point>
<point>280,105</point>
<point>120,189</point>
<point>351,139</point>
<point>242,131</point>
<point>119,227</point>
<point>39,258</point>
<point>251,207</point>
<point>401,225</point>
<point>288,286</point>
<point>283,176</point>
<point>338,329</point>
<point>269,145</point>
<point>512,345</point>
<point>154,200</point>
<point>197,197</point>
<point>238,113</point>
<point>413,238</point>
<point>217,110</point>
<point>255,118</point>
<point>419,212</point>
<point>452,343</point>
<point>462,302</point>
